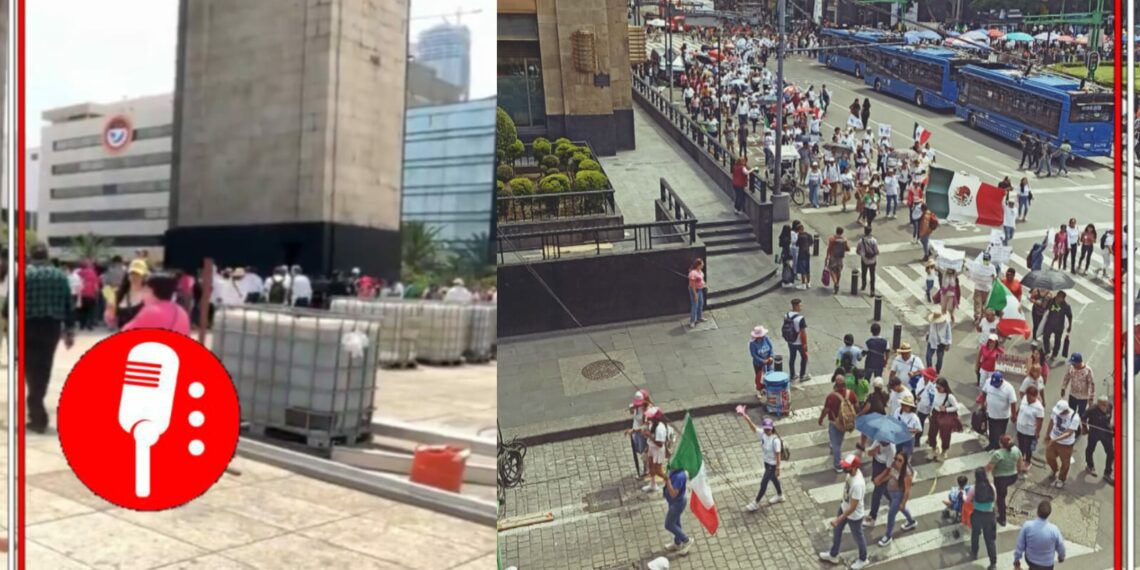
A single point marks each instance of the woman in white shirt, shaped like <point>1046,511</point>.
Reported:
<point>1030,416</point>
<point>943,420</point>
<point>1023,192</point>
<point>657,435</point>
<point>908,417</point>
<point>770,448</point>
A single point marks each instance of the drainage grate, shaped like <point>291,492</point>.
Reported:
<point>602,369</point>
<point>603,500</point>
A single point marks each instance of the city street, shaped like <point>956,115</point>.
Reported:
<point>602,520</point>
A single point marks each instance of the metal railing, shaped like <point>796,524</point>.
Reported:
<point>529,160</point>
<point>643,237</point>
<point>543,207</point>
<point>673,203</point>
<point>695,132</point>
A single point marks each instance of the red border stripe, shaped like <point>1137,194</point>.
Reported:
<point>1118,317</point>
<point>21,150</point>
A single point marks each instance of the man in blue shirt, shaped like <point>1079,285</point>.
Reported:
<point>675,485</point>
<point>876,354</point>
<point>1040,541</point>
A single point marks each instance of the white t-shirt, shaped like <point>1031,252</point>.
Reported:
<point>988,328</point>
<point>1009,216</point>
<point>855,488</point>
<point>1061,425</point>
<point>1027,415</point>
<point>947,401</point>
<point>895,403</point>
<point>998,400</point>
<point>904,369</point>
<point>886,453</point>
<point>924,396</point>
<point>910,419</point>
<point>1030,381</point>
<point>769,446</point>
<point>638,418</point>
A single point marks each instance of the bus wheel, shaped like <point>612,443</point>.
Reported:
<point>858,72</point>
<point>973,121</point>
<point>918,98</point>
<point>827,61</point>
<point>878,85</point>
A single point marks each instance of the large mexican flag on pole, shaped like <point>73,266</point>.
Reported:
<point>964,198</point>
<point>1012,322</point>
<point>688,457</point>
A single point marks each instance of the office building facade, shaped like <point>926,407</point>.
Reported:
<point>449,169</point>
<point>104,169</point>
<point>446,49</point>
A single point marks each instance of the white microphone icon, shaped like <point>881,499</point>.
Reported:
<point>149,382</point>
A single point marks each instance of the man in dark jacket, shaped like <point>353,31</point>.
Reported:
<point>1101,430</point>
<point>1058,321</point>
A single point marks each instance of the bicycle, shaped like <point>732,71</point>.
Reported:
<point>510,457</point>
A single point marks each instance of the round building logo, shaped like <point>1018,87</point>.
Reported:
<point>117,133</point>
<point>962,196</point>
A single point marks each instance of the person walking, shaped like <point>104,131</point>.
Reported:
<point>49,314</point>
<point>1030,417</point>
<point>982,275</point>
<point>944,420</point>
<point>982,521</point>
<point>1045,159</point>
<point>770,450</point>
<point>675,486</point>
<point>939,338</point>
<point>1107,243</point>
<point>1039,541</point>
<point>740,174</point>
<point>1060,249</point>
<point>839,410</point>
<point>1087,242</point>
<point>875,358</point>
<point>849,515</point>
<point>638,442</point>
<point>813,179</point>
<point>1024,197</point>
<point>926,227</point>
<point>1058,320</point>
<point>949,293</point>
<point>906,415</point>
<point>837,248</point>
<point>882,454</point>
<point>890,186</point>
<point>898,480</point>
<point>1004,465</point>
<point>697,289</point>
<point>160,310</point>
<point>1060,437</point>
<point>865,113</point>
<point>904,366</point>
<point>1001,405</point>
<point>1080,384</point>
<point>876,403</point>
<point>1009,222</point>
<point>760,348</point>
<point>1101,430</point>
<point>868,250</point>
<point>986,363</point>
<point>300,288</point>
<point>794,331</point>
<point>1063,153</point>
<point>803,243</point>
<point>1025,141</point>
<point>1041,300</point>
<point>1072,239</point>
<point>924,394</point>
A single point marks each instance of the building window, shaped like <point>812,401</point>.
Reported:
<point>520,90</point>
<point>118,215</point>
<point>116,163</point>
<point>87,141</point>
<point>153,186</point>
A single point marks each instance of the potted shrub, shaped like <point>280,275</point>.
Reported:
<point>504,172</point>
<point>541,147</point>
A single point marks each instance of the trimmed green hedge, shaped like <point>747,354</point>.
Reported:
<point>521,186</point>
<point>504,172</point>
<point>587,180</point>
<point>554,183</point>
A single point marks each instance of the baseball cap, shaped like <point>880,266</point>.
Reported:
<point>767,424</point>
<point>1076,358</point>
<point>994,337</point>
<point>996,379</point>
<point>850,461</point>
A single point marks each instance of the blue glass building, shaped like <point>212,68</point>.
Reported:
<point>449,168</point>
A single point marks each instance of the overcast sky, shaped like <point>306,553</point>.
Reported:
<point>105,51</point>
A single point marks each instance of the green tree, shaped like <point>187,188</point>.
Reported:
<point>421,249</point>
<point>505,131</point>
<point>472,259</point>
<point>90,246</point>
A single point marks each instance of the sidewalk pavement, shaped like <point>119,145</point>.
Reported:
<point>266,518</point>
<point>542,385</point>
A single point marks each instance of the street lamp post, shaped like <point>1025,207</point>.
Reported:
<point>669,47</point>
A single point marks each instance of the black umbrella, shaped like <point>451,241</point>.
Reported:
<point>1048,279</point>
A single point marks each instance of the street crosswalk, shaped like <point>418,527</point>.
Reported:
<point>904,286</point>
<point>935,536</point>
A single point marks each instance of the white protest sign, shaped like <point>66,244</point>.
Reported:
<point>946,258</point>
<point>884,131</point>
<point>1000,254</point>
<point>854,122</point>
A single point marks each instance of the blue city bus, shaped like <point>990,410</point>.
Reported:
<point>926,76</point>
<point>1006,102</point>
<point>850,59</point>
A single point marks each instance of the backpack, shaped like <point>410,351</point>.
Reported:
<point>785,453</point>
<point>868,249</point>
<point>788,329</point>
<point>838,248</point>
<point>277,291</point>
<point>847,361</point>
<point>845,420</point>
<point>670,439</point>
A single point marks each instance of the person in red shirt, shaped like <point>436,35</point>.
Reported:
<point>987,360</point>
<point>831,412</point>
<point>740,173</point>
<point>1012,283</point>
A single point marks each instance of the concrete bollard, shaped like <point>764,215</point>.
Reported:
<point>896,338</point>
<point>854,282</point>
<point>878,308</point>
<point>778,363</point>
<point>815,246</point>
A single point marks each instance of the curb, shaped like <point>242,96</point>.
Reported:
<point>674,415</point>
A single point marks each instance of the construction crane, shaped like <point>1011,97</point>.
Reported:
<point>458,15</point>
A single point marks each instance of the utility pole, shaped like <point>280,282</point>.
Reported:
<point>669,46</point>
<point>780,39</point>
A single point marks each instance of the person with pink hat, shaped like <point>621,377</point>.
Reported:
<point>657,435</point>
<point>761,349</point>
<point>636,433</point>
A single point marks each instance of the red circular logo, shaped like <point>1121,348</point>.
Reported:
<point>149,419</point>
<point>117,133</point>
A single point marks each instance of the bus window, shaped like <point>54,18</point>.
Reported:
<point>1090,113</point>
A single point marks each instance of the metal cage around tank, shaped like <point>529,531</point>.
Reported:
<point>399,329</point>
<point>293,372</point>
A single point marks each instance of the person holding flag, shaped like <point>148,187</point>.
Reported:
<point>921,135</point>
<point>676,484</point>
<point>687,468</point>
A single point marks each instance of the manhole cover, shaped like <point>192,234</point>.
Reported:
<point>602,369</point>
<point>603,500</point>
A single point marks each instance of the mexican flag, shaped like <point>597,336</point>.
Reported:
<point>1012,322</point>
<point>920,134</point>
<point>974,202</point>
<point>688,457</point>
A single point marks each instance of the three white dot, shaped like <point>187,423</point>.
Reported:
<point>197,389</point>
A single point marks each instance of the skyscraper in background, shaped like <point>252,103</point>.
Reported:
<point>446,48</point>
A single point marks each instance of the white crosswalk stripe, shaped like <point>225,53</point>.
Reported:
<point>1005,559</point>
